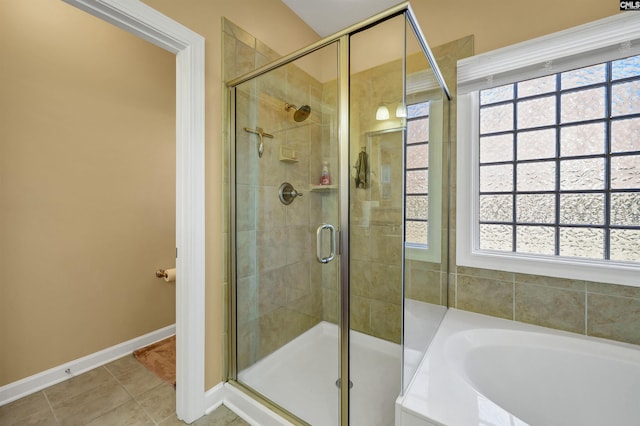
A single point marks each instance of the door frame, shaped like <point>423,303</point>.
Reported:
<point>147,23</point>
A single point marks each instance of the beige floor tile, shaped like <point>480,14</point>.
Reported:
<point>123,365</point>
<point>128,414</point>
<point>171,421</point>
<point>16,412</point>
<point>43,418</point>
<point>133,375</point>
<point>159,402</point>
<point>221,416</point>
<point>78,385</point>
<point>82,408</point>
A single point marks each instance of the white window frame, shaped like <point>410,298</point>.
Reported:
<point>600,41</point>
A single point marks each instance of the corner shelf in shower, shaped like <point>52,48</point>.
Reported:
<point>323,188</point>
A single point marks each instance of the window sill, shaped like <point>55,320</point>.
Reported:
<point>421,254</point>
<point>569,268</point>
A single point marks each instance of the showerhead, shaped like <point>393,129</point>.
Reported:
<point>301,113</point>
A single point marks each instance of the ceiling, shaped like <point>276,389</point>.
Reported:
<point>326,17</point>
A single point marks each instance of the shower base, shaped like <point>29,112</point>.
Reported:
<point>301,377</point>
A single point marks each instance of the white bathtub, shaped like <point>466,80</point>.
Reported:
<point>482,370</point>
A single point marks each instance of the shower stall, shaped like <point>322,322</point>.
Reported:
<point>338,266</point>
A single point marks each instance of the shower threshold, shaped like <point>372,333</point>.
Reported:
<point>301,377</point>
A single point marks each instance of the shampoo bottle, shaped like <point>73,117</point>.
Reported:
<point>325,178</point>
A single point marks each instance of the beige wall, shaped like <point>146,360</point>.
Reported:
<point>87,183</point>
<point>499,23</point>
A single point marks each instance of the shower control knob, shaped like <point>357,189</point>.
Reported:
<point>287,193</point>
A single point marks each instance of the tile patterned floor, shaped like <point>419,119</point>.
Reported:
<point>122,392</point>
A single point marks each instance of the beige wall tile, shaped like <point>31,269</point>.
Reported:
<point>386,282</point>
<point>271,248</point>
<point>330,305</point>
<point>266,51</point>
<point>296,244</point>
<point>272,290</point>
<point>485,273</point>
<point>386,319</point>
<point>247,299</point>
<point>360,311</point>
<point>360,238</point>
<point>550,307</point>
<point>360,282</point>
<point>423,284</point>
<point>246,259</point>
<point>485,296</point>
<point>614,290</point>
<point>281,326</point>
<point>245,207</point>
<point>612,317</point>
<point>578,285</point>
<point>386,244</point>
<point>238,33</point>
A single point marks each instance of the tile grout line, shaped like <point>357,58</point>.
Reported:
<point>586,309</point>
<point>131,395</point>
<point>51,407</point>
<point>513,297</point>
<point>455,293</point>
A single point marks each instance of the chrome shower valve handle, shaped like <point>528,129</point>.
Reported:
<point>287,193</point>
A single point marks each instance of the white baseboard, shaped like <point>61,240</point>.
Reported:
<point>244,406</point>
<point>44,379</point>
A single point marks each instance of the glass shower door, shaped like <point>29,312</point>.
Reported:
<point>376,221</point>
<point>286,219</point>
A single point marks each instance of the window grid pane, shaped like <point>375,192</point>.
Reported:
<point>417,174</point>
<point>560,164</point>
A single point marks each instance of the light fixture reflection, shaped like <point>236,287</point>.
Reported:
<point>382,113</point>
<point>401,111</point>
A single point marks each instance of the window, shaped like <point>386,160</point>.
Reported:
<point>549,156</point>
<point>560,164</point>
<point>423,177</point>
<point>417,175</point>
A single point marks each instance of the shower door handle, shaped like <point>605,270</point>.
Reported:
<point>332,233</point>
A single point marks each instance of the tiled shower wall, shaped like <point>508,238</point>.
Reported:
<point>376,209</point>
<point>271,295</point>
<point>279,281</point>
